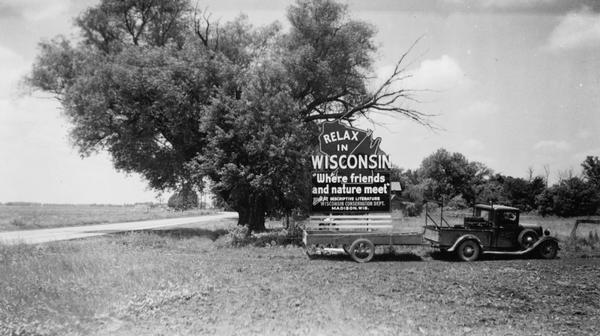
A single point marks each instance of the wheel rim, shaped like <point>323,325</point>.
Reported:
<point>548,250</point>
<point>528,240</point>
<point>468,251</point>
<point>362,250</point>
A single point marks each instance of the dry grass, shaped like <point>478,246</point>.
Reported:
<point>25,217</point>
<point>185,281</point>
<point>70,286</point>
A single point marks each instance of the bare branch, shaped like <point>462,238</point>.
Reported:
<point>198,25</point>
<point>384,98</point>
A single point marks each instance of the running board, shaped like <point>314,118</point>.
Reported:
<point>531,249</point>
<point>510,252</point>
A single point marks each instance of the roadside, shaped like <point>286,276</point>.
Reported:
<point>188,282</point>
<point>75,232</point>
<point>17,217</point>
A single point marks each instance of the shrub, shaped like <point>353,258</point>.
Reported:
<point>239,236</point>
<point>18,222</point>
<point>236,236</point>
<point>184,199</point>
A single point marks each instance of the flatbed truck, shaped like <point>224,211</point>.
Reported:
<point>493,229</point>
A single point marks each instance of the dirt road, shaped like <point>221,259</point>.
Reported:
<point>75,232</point>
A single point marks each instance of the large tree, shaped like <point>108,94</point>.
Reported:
<point>177,97</point>
<point>444,175</point>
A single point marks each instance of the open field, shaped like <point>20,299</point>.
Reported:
<point>26,217</point>
<point>187,281</point>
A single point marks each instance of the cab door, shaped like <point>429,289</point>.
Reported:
<point>507,228</point>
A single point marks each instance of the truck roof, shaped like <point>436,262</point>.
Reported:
<point>495,207</point>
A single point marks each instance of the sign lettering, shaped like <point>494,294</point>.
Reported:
<point>351,172</point>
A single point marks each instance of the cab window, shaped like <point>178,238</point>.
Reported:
<point>508,219</point>
<point>485,214</point>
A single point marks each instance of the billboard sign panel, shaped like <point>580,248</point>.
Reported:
<point>351,173</point>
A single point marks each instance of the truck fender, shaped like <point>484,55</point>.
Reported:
<point>542,240</point>
<point>462,239</point>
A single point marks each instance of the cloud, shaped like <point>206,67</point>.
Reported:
<point>553,7</point>
<point>12,67</point>
<point>552,145</point>
<point>7,11</point>
<point>439,74</point>
<point>516,3</point>
<point>502,4</point>
<point>480,109</point>
<point>33,10</point>
<point>472,145</point>
<point>7,55</point>
<point>577,29</point>
<point>584,134</point>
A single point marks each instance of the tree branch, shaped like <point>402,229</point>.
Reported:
<point>384,98</point>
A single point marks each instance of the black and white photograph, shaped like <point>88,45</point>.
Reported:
<point>299,167</point>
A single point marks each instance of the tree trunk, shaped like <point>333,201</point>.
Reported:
<point>252,215</point>
<point>243,216</point>
<point>256,220</point>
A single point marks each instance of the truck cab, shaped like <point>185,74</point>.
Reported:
<point>492,229</point>
<point>508,232</point>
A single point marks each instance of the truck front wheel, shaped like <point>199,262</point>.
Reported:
<point>548,250</point>
<point>468,250</point>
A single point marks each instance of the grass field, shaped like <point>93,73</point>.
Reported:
<point>187,281</point>
<point>27,217</point>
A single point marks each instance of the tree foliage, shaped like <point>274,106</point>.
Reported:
<point>512,191</point>
<point>445,175</point>
<point>452,178</point>
<point>591,170</point>
<point>259,148</point>
<point>570,197</point>
<point>176,96</point>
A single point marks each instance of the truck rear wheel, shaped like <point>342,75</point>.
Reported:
<point>468,250</point>
<point>362,250</point>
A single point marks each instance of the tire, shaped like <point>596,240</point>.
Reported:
<point>362,250</point>
<point>548,250</point>
<point>527,238</point>
<point>468,250</point>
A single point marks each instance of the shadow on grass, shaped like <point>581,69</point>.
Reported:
<point>181,233</point>
<point>530,256</point>
<point>443,256</point>
<point>487,257</point>
<point>385,257</point>
<point>448,256</point>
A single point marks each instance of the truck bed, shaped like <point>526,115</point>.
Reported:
<point>337,238</point>
<point>442,236</point>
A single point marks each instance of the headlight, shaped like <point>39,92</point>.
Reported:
<point>547,232</point>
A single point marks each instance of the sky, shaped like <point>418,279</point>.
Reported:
<point>514,84</point>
